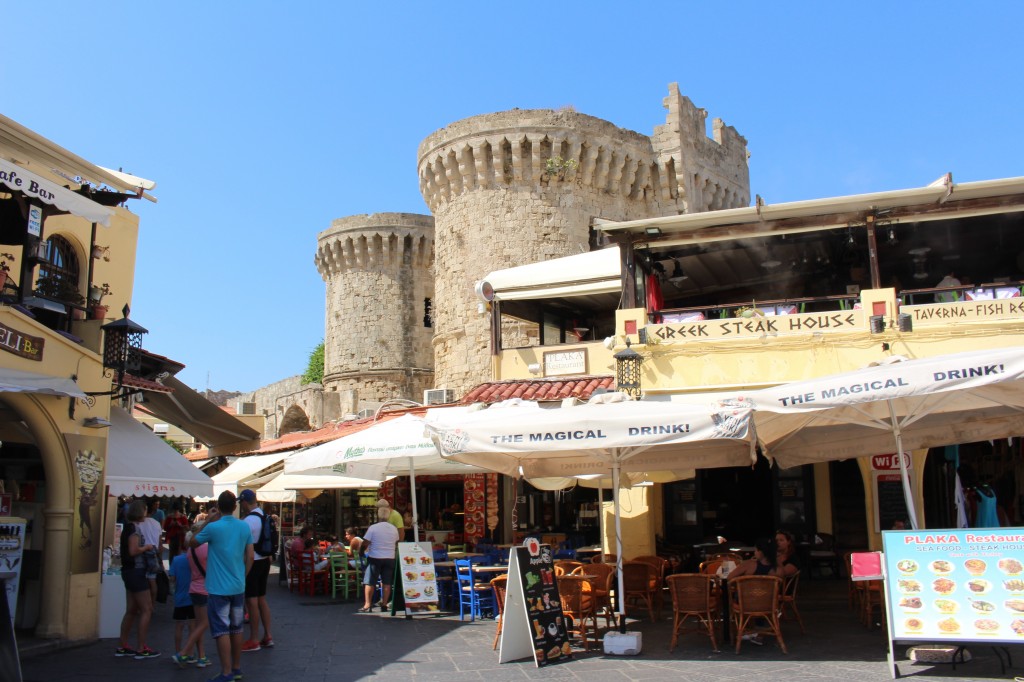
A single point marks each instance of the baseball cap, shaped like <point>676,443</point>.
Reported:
<point>247,495</point>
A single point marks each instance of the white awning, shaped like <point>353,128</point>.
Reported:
<point>15,381</point>
<point>20,179</point>
<point>243,468</point>
<point>283,487</point>
<point>141,463</point>
<point>595,272</point>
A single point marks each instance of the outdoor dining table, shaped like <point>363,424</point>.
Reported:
<point>463,555</point>
<point>590,551</point>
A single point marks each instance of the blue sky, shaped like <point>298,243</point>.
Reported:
<point>262,124</point>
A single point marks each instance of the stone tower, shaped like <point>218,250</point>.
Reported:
<point>380,290</point>
<point>522,186</point>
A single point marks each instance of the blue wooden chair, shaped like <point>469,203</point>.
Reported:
<point>474,597</point>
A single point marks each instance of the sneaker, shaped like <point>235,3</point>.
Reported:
<point>145,653</point>
<point>181,660</point>
<point>236,674</point>
<point>250,645</point>
<point>267,643</point>
<point>222,678</point>
<point>753,639</point>
<point>125,651</point>
<point>202,662</point>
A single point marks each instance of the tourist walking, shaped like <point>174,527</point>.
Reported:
<point>139,605</point>
<point>379,545</point>
<point>264,540</point>
<point>229,558</point>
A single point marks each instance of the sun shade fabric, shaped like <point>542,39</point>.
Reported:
<point>589,439</point>
<point>197,416</point>
<point>283,487</point>
<point>945,399</point>
<point>17,381</point>
<point>381,450</point>
<point>38,188</point>
<point>140,463</point>
<point>595,272</point>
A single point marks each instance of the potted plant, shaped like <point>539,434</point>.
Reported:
<point>96,306</point>
<point>58,289</point>
<point>5,268</point>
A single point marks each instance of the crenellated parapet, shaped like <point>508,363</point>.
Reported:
<point>375,242</point>
<point>711,173</point>
<point>537,149</point>
<point>379,307</point>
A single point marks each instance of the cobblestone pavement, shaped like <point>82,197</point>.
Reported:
<point>320,639</point>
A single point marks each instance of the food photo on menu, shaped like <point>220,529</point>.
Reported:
<point>968,593</point>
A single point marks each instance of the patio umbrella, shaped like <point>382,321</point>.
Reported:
<point>388,448</point>
<point>912,404</point>
<point>600,439</point>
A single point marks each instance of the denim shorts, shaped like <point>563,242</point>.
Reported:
<point>226,614</point>
<point>379,569</point>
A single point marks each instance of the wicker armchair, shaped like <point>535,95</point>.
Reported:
<point>694,595</point>
<point>756,597</point>
<point>578,606</point>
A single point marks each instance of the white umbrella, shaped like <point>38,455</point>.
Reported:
<point>284,487</point>
<point>599,439</point>
<point>916,404</point>
<point>389,448</point>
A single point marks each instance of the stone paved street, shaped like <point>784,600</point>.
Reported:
<point>318,639</point>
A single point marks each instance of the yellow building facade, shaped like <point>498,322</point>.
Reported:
<point>732,300</point>
<point>64,234</point>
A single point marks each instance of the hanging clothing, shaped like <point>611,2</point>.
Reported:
<point>987,516</point>
<point>655,299</point>
<point>961,503</point>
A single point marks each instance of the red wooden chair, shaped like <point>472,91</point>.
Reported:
<point>310,578</point>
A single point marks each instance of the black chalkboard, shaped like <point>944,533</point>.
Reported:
<point>10,665</point>
<point>892,506</point>
<point>543,605</point>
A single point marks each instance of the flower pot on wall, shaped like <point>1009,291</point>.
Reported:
<point>99,312</point>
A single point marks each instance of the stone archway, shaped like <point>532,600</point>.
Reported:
<point>294,419</point>
<point>58,512</point>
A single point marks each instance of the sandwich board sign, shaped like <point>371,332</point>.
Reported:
<point>415,588</point>
<point>534,624</point>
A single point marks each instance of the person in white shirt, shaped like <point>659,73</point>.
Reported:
<point>379,545</point>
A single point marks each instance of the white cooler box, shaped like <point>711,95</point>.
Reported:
<point>623,643</point>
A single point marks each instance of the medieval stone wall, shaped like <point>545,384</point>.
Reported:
<point>518,187</point>
<point>289,405</point>
<point>379,311</point>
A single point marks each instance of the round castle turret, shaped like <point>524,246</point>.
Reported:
<point>518,187</point>
<point>380,291</point>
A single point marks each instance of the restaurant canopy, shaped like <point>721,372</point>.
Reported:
<point>285,487</point>
<point>191,412</point>
<point>17,381</point>
<point>241,469</point>
<point>595,272</point>
<point>140,463</point>
<point>37,188</point>
<point>895,406</point>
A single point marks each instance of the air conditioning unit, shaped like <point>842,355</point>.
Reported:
<point>438,396</point>
<point>247,408</point>
<point>160,429</point>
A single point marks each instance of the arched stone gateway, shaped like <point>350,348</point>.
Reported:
<point>294,419</point>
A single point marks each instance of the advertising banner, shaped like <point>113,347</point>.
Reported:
<point>960,585</point>
<point>534,623</point>
<point>12,545</point>
<point>418,586</point>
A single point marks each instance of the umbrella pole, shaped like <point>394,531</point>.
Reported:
<point>620,594</point>
<point>908,495</point>
<point>600,517</point>
<point>412,492</point>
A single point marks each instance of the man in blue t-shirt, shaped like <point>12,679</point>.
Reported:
<point>229,558</point>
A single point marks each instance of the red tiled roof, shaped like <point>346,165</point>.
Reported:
<point>539,389</point>
<point>132,381</point>
<point>333,431</point>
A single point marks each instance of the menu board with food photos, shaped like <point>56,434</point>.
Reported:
<point>962,585</point>
<point>416,580</point>
<point>533,620</point>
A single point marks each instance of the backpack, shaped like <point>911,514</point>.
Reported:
<point>269,538</point>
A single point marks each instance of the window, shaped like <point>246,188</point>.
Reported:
<point>58,273</point>
<point>428,313</point>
